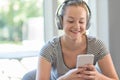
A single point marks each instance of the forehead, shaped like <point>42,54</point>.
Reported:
<point>75,11</point>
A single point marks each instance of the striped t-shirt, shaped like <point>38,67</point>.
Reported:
<point>52,52</point>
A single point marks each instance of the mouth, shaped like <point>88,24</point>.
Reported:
<point>75,31</point>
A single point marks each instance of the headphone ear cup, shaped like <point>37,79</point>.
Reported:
<point>88,23</point>
<point>59,22</point>
<point>88,26</point>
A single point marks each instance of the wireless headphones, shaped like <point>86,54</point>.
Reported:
<point>61,9</point>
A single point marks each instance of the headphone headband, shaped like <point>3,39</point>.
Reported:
<point>60,12</point>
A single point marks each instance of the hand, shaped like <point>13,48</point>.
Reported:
<point>73,74</point>
<point>90,73</point>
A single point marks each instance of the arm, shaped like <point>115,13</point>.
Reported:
<point>107,68</point>
<point>44,68</point>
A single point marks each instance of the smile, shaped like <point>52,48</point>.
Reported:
<point>74,31</point>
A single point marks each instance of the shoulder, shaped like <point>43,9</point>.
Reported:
<point>52,43</point>
<point>48,51</point>
<point>92,38</point>
<point>97,47</point>
<point>94,41</point>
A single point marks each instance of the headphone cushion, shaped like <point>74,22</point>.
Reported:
<point>59,22</point>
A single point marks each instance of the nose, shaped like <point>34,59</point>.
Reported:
<point>77,24</point>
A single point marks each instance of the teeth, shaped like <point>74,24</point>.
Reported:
<point>75,31</point>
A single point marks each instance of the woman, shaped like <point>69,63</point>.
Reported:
<point>57,59</point>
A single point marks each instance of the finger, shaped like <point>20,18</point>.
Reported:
<point>88,77</point>
<point>90,67</point>
<point>80,70</point>
<point>91,73</point>
<point>76,71</point>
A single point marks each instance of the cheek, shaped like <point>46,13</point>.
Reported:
<point>84,26</point>
<point>65,25</point>
<point>83,29</point>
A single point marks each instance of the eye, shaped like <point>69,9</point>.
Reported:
<point>81,22</point>
<point>70,21</point>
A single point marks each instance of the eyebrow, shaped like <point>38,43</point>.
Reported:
<point>73,18</point>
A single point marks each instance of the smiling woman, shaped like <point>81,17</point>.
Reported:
<point>57,58</point>
<point>60,32</point>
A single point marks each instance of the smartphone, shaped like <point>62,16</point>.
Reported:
<point>84,59</point>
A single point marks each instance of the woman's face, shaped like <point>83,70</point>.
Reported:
<point>74,22</point>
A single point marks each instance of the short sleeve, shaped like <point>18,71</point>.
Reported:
<point>97,48</point>
<point>47,52</point>
<point>102,50</point>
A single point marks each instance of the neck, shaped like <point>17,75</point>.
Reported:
<point>73,44</point>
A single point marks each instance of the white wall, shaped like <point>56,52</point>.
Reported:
<point>49,21</point>
<point>114,32</point>
<point>102,21</point>
<point>108,26</point>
